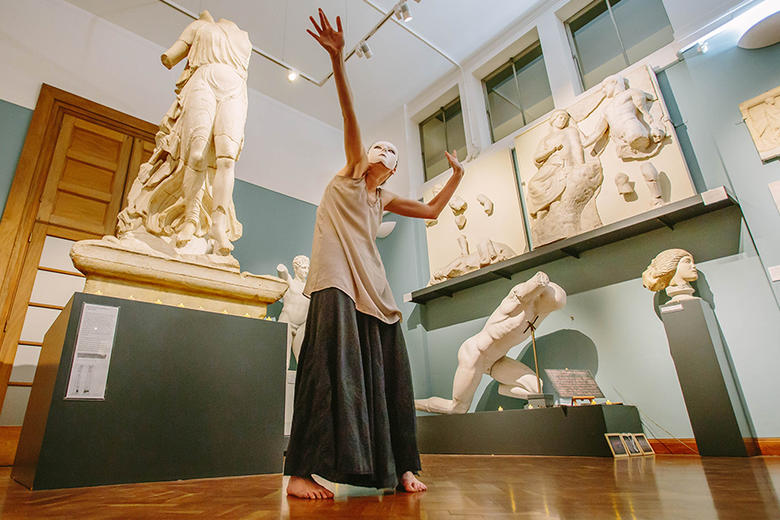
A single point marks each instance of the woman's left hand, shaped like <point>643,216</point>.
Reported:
<point>454,162</point>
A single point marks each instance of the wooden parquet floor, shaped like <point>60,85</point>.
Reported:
<point>460,487</point>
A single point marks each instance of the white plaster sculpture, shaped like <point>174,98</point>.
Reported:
<point>460,221</point>
<point>762,117</point>
<point>486,203</point>
<point>181,202</point>
<point>430,222</point>
<point>487,252</point>
<point>458,205</point>
<point>296,305</point>
<point>624,184</point>
<point>650,175</point>
<point>385,228</point>
<point>671,270</point>
<point>485,352</point>
<point>561,195</point>
<point>627,120</point>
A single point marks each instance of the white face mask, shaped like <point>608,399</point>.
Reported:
<point>385,153</point>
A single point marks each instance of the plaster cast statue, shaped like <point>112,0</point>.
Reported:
<point>562,193</point>
<point>627,120</point>
<point>624,184</point>
<point>671,270</point>
<point>486,203</point>
<point>457,205</point>
<point>181,201</point>
<point>762,117</point>
<point>460,221</point>
<point>487,252</point>
<point>430,222</point>
<point>650,175</point>
<point>296,305</point>
<point>485,352</point>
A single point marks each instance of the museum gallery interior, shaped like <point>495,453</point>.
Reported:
<point>564,213</point>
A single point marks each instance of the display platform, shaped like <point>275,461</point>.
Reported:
<point>189,394</point>
<point>565,430</point>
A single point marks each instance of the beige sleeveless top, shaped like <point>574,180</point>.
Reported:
<point>344,253</point>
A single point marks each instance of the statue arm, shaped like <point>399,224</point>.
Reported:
<point>601,128</point>
<point>543,152</point>
<point>283,273</point>
<point>181,47</point>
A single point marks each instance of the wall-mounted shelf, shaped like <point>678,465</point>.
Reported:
<point>664,216</point>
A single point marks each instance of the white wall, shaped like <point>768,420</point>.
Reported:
<point>54,42</point>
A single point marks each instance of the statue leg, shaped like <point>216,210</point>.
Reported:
<point>193,186</point>
<point>298,341</point>
<point>227,151</point>
<point>515,378</point>
<point>465,383</point>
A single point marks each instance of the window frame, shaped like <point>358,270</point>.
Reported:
<point>516,64</point>
<point>443,110</point>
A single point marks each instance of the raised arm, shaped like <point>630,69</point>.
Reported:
<point>431,209</point>
<point>333,42</point>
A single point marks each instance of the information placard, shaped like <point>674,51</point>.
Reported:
<point>92,355</point>
<point>568,383</point>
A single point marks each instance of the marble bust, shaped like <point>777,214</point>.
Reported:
<point>485,352</point>
<point>672,270</point>
<point>296,305</point>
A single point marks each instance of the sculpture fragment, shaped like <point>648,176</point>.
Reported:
<point>672,270</point>
<point>295,304</point>
<point>485,352</point>
<point>762,117</point>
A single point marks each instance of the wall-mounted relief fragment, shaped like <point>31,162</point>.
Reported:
<point>458,205</point>
<point>486,203</point>
<point>430,222</point>
<point>460,221</point>
<point>650,174</point>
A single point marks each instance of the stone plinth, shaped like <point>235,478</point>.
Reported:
<point>112,270</point>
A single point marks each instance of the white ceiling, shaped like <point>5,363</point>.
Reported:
<point>401,68</point>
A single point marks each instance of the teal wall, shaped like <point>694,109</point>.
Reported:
<point>277,228</point>
<point>14,121</point>
<point>610,324</point>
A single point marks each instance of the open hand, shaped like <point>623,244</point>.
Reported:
<point>454,162</point>
<point>332,41</point>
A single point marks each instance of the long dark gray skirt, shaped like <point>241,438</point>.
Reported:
<point>354,419</point>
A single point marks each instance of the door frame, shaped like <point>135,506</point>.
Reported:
<point>24,197</point>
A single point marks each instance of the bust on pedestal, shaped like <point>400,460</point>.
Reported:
<point>716,409</point>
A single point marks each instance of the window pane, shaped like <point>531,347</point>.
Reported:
<point>535,95</point>
<point>597,45</point>
<point>511,109</point>
<point>437,136</point>
<point>644,26</point>
<point>433,144</point>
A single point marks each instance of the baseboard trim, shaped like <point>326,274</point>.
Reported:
<point>9,440</point>
<point>674,446</point>
<point>769,446</point>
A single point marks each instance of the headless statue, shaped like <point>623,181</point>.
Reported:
<point>485,352</point>
<point>296,305</point>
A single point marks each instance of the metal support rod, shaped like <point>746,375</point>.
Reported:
<point>536,361</point>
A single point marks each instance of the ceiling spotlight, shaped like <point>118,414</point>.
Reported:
<point>363,50</point>
<point>402,12</point>
<point>292,75</point>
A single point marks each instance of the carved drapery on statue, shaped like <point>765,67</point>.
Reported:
<point>181,202</point>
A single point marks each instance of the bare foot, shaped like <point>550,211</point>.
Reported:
<point>410,483</point>
<point>186,234</point>
<point>306,488</point>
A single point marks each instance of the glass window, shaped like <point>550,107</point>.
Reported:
<point>518,92</point>
<point>442,131</point>
<point>610,35</point>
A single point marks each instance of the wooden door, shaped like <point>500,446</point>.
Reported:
<point>77,163</point>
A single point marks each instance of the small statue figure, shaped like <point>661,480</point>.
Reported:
<point>458,205</point>
<point>296,305</point>
<point>485,352</point>
<point>671,270</point>
<point>627,119</point>
<point>184,191</point>
<point>562,194</point>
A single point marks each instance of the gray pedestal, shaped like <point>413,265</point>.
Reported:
<point>190,394</point>
<point>711,392</point>
<point>563,430</point>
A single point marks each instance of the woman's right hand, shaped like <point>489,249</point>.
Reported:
<point>332,41</point>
